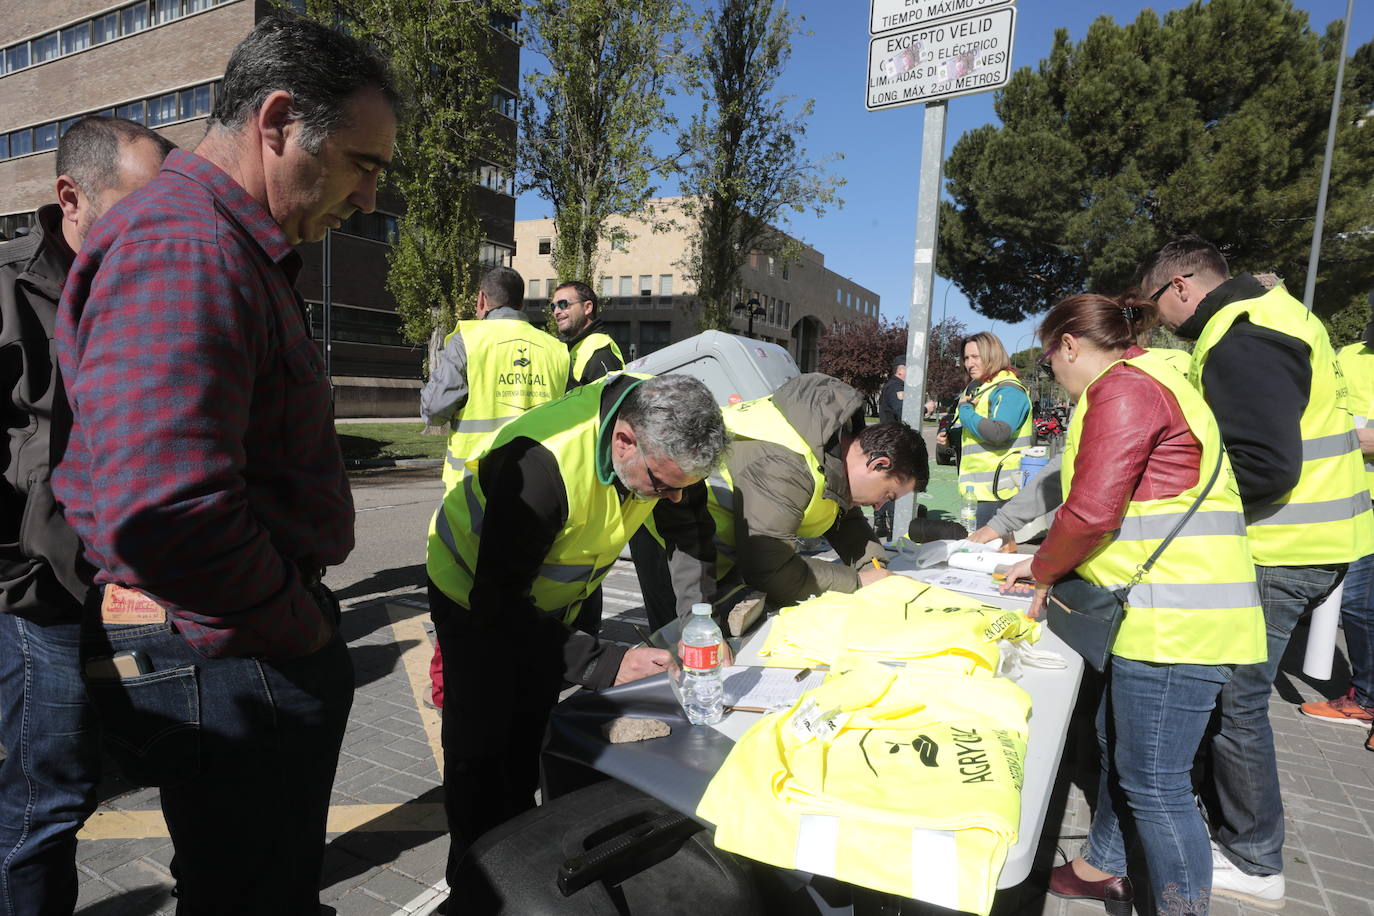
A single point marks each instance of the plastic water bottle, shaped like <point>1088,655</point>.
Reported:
<point>968,512</point>
<point>703,696</point>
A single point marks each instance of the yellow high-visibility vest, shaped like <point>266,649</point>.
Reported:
<point>512,366</point>
<point>1357,366</point>
<point>580,353</point>
<point>903,780</point>
<point>894,618</point>
<point>599,522</point>
<point>761,421</point>
<point>1199,603</point>
<point>994,472</point>
<point>1326,518</point>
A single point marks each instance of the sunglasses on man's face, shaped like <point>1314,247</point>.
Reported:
<point>559,305</point>
<point>1163,289</point>
<point>1044,363</point>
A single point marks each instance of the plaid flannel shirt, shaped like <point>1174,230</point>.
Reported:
<point>203,467</point>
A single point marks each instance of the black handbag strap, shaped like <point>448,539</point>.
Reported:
<point>1145,567</point>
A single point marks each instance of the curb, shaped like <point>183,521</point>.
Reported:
<point>394,463</point>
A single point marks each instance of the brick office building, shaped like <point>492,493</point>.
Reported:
<point>647,303</point>
<point>159,62</point>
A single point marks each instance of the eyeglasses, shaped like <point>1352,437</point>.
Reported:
<point>1159,292</point>
<point>658,486</point>
<point>559,305</point>
<point>1044,362</point>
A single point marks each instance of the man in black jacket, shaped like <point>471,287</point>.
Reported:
<point>48,777</point>
<point>591,352</point>
<point>890,411</point>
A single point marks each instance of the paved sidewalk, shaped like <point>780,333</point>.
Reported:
<point>386,845</point>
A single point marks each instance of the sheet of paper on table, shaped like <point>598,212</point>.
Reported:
<point>965,581</point>
<point>757,689</point>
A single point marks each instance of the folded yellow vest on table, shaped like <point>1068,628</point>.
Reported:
<point>906,780</point>
<point>897,619</point>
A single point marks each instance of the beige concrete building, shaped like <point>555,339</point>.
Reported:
<point>646,302</point>
<point>159,62</point>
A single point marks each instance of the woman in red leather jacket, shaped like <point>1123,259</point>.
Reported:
<point>1131,447</point>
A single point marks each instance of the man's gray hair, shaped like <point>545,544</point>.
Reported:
<point>675,417</point>
<point>321,68</point>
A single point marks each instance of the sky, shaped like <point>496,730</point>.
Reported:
<point>871,239</point>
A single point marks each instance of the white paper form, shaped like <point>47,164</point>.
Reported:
<point>767,689</point>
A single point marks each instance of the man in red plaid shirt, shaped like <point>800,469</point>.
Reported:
<point>204,475</point>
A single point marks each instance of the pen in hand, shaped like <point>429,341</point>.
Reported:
<point>801,675</point>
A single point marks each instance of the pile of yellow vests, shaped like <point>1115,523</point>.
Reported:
<point>903,771</point>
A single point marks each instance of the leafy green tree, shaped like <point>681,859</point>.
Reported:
<point>744,166</point>
<point>443,59</point>
<point>1211,121</point>
<point>588,116</point>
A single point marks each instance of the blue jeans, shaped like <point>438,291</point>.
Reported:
<point>52,764</point>
<point>1357,619</point>
<point>1248,820</point>
<point>244,752</point>
<point>1149,724</point>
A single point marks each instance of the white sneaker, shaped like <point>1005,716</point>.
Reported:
<point>1264,891</point>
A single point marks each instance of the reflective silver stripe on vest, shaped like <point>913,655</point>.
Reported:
<point>475,511</point>
<point>481,426</point>
<point>1331,446</point>
<point>1202,524</point>
<point>1361,422</point>
<point>445,533</point>
<point>969,477</point>
<point>454,461</point>
<point>1328,510</point>
<point>723,492</point>
<point>1214,596</point>
<point>565,573</point>
<point>973,448</point>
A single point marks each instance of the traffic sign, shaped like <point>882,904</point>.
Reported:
<point>889,15</point>
<point>952,57</point>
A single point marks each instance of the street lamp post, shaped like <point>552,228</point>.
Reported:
<point>753,309</point>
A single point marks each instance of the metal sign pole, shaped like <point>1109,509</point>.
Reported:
<point>1314,258</point>
<point>922,287</point>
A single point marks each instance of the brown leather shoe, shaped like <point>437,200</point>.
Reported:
<point>1115,893</point>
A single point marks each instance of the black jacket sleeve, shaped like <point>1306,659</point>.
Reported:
<point>600,363</point>
<point>1258,383</point>
<point>526,508</point>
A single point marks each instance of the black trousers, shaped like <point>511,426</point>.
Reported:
<point>501,681</point>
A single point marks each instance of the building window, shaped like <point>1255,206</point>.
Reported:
<point>21,142</point>
<point>504,102</point>
<point>14,225</point>
<point>17,57</point>
<point>377,226</point>
<point>665,284</point>
<point>627,286</point>
<point>4,146</point>
<point>493,254</point>
<point>532,291</point>
<point>45,48</point>
<point>501,22</point>
<point>654,335</point>
<point>606,287</point>
<point>546,245</point>
<point>754,259</point>
<point>355,325</point>
<point>44,137</point>
<point>772,265</point>
<point>194,102</point>
<point>131,112</point>
<point>162,110</point>
<point>494,178</point>
<point>784,268</point>
<point>105,28</point>
<point>133,19</point>
<point>167,108</point>
<point>619,244</point>
<point>76,38</point>
<point>646,285</point>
